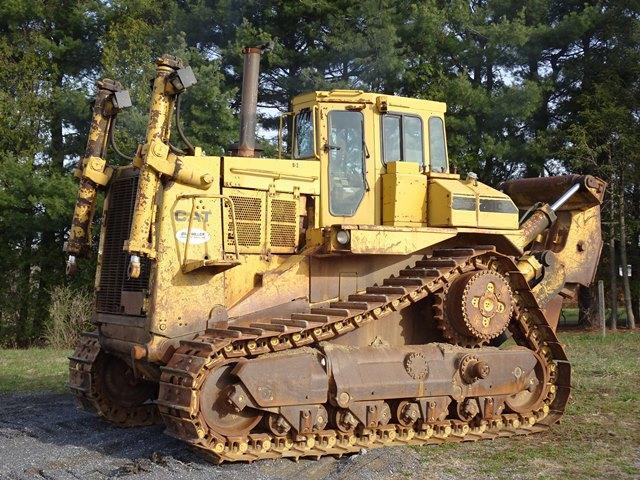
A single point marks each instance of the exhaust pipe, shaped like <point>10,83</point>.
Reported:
<point>246,147</point>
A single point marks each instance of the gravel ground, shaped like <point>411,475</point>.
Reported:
<point>43,436</point>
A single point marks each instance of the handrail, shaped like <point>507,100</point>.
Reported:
<point>272,174</point>
<point>281,121</point>
<point>316,132</point>
<point>229,202</point>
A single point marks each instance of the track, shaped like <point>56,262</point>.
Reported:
<point>184,375</point>
<point>119,404</point>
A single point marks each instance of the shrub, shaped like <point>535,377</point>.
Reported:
<point>69,315</point>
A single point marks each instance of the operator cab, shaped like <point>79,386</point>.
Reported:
<point>383,161</point>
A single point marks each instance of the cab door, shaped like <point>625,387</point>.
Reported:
<point>346,153</point>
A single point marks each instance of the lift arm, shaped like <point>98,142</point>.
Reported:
<point>154,158</point>
<point>92,169</point>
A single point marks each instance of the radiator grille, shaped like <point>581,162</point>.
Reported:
<point>113,270</point>
<point>248,221</point>
<point>284,218</point>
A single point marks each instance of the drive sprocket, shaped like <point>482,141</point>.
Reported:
<point>475,308</point>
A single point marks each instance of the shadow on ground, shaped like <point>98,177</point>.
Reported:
<point>43,436</point>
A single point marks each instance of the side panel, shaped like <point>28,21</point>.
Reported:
<point>467,203</point>
<point>181,302</point>
<point>404,195</point>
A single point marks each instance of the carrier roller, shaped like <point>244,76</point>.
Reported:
<point>278,387</point>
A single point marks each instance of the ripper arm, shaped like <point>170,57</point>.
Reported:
<point>561,241</point>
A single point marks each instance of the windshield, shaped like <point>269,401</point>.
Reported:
<point>303,135</point>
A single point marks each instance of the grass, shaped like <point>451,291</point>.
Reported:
<point>599,436</point>
<point>33,369</point>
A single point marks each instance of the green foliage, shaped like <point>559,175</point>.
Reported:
<point>70,314</point>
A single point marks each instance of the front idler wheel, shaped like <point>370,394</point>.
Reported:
<point>220,414</point>
<point>536,389</point>
<point>120,396</point>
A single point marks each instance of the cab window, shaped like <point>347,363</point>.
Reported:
<point>402,139</point>
<point>303,128</point>
<point>437,145</point>
<point>346,162</point>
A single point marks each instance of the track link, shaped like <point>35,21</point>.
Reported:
<point>182,378</point>
<point>86,383</point>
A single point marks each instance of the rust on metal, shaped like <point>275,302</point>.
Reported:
<point>91,169</point>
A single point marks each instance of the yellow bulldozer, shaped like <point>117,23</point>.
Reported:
<point>351,293</point>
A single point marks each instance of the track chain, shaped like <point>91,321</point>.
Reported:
<point>85,384</point>
<point>185,373</point>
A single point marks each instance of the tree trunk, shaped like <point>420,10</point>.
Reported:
<point>585,307</point>
<point>631,321</point>
<point>634,258</point>
<point>56,146</point>
<point>24,332</point>
<point>613,280</point>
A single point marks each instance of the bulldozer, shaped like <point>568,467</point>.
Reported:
<point>351,293</point>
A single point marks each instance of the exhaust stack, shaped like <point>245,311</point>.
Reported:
<point>246,147</point>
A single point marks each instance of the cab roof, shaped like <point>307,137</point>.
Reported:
<point>360,96</point>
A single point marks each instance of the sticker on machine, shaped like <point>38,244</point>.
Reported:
<point>197,237</point>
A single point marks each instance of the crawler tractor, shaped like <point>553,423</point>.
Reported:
<point>350,294</point>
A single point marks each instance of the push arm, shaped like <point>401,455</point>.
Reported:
<point>154,157</point>
<point>92,169</point>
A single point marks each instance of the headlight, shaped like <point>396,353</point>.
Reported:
<point>343,237</point>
